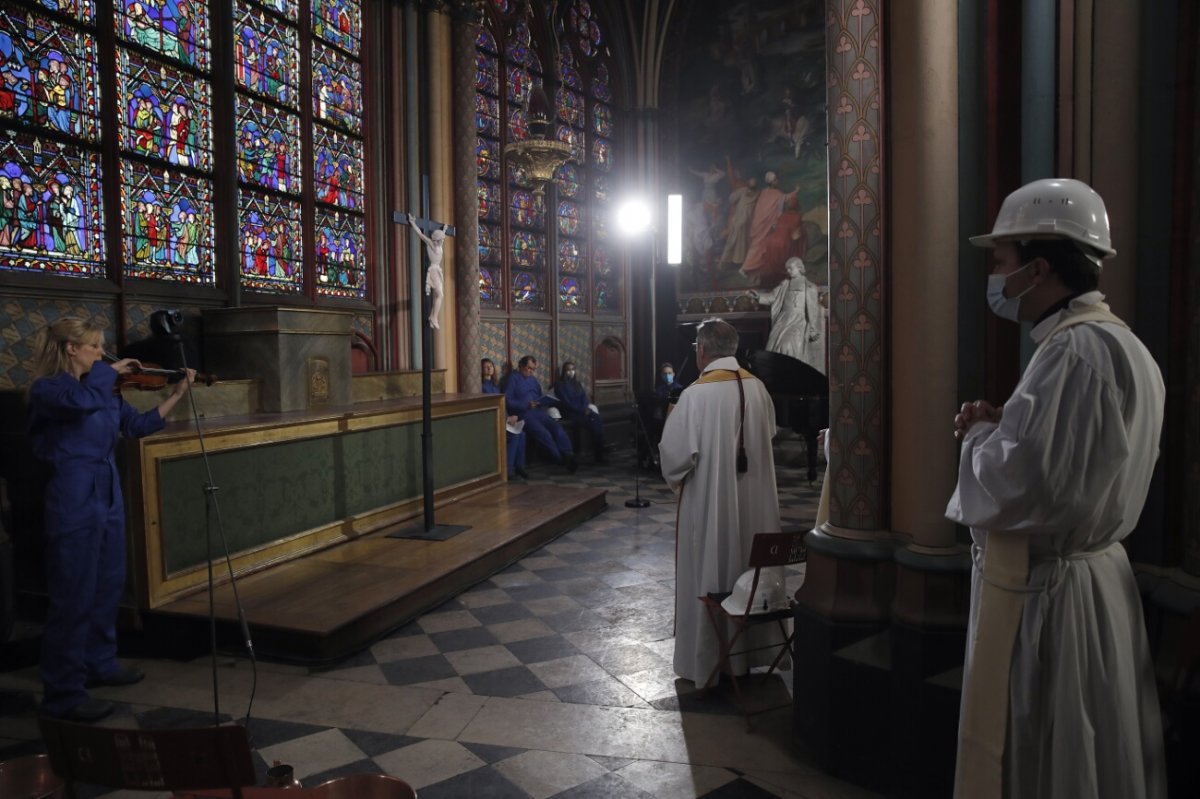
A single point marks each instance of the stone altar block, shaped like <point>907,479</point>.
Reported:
<point>299,356</point>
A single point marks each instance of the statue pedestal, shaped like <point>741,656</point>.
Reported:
<point>299,356</point>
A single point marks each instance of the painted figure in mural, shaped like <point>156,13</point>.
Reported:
<point>797,318</point>
<point>433,277</point>
<point>775,232</point>
<point>69,212</point>
<point>741,212</point>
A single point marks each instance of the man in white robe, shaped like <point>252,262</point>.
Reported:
<point>1050,483</point>
<point>720,508</point>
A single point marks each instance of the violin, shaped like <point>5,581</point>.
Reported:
<point>149,377</point>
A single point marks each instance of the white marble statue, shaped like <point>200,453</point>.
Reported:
<point>797,318</point>
<point>433,277</point>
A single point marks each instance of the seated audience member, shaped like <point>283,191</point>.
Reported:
<point>515,441</point>
<point>526,401</point>
<point>574,406</point>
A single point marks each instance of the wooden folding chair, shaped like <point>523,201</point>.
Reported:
<point>767,550</point>
<point>149,760</point>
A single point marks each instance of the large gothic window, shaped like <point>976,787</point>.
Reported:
<point>299,160</point>
<point>546,254</point>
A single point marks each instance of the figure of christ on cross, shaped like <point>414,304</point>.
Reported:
<point>433,275</point>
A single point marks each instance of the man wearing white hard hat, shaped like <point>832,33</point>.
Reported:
<point>1059,696</point>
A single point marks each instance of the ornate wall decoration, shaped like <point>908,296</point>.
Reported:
<point>22,318</point>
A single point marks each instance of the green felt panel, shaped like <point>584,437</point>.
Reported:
<point>273,491</point>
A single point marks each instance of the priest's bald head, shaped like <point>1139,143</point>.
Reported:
<point>715,338</point>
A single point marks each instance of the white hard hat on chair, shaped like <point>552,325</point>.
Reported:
<point>1051,209</point>
<point>770,595</point>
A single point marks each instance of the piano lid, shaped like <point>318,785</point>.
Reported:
<point>783,374</point>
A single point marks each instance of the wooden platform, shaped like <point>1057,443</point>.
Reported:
<point>327,605</point>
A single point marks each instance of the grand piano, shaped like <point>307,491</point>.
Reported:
<point>800,392</point>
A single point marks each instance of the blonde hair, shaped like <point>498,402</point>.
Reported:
<point>50,349</point>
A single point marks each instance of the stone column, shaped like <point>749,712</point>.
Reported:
<point>466,199</point>
<point>439,101</point>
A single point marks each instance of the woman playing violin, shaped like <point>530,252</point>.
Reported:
<point>75,420</point>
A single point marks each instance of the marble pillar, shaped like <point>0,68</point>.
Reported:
<point>466,199</point>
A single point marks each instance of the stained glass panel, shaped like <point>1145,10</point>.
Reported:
<point>533,62</point>
<point>607,297</point>
<point>568,218</point>
<point>288,9</point>
<point>601,261</point>
<point>568,73</point>
<point>337,88</point>
<point>570,256</point>
<point>175,28</point>
<point>487,76</point>
<point>48,74</point>
<point>527,294</point>
<point>268,146</point>
<point>600,187</point>
<point>602,120</point>
<point>487,115</point>
<point>571,294</point>
<point>168,225</point>
<point>50,210</point>
<point>529,250</point>
<point>487,158</point>
<point>266,55</point>
<point>518,126</point>
<point>490,288</point>
<point>574,138</point>
<point>600,87</point>
<point>501,6</point>
<point>600,219</point>
<point>269,243</point>
<point>602,155</point>
<point>166,113</point>
<point>568,180</point>
<point>489,201</point>
<point>484,40</point>
<point>489,244</point>
<point>519,84</point>
<point>338,171</point>
<point>570,106</point>
<point>338,22</point>
<point>82,10</point>
<point>526,210</point>
<point>340,258</point>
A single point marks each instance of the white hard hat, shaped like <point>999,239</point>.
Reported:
<point>770,595</point>
<point>1052,208</point>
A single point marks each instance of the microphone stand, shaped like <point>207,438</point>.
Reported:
<point>638,501</point>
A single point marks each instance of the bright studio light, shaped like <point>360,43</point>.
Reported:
<point>674,229</point>
<point>633,217</point>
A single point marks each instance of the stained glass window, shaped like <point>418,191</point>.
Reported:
<point>268,146</point>
<point>527,293</point>
<point>571,294</point>
<point>568,180</point>
<point>486,74</point>
<point>178,29</point>
<point>602,120</point>
<point>487,115</point>
<point>338,22</point>
<point>340,260</point>
<point>487,159</point>
<point>165,112</point>
<point>490,288</point>
<point>568,218</point>
<point>269,235</point>
<point>570,257</point>
<point>337,89</point>
<point>168,224</point>
<point>266,55</point>
<point>525,210</point>
<point>489,244</point>
<point>529,250</point>
<point>337,173</point>
<point>489,201</point>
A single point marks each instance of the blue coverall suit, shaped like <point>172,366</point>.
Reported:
<point>74,426</point>
<point>515,441</point>
<point>573,403</point>
<point>521,391</point>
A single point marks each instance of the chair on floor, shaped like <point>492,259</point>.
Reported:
<point>191,759</point>
<point>768,550</point>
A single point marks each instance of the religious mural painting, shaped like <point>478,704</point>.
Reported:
<point>752,144</point>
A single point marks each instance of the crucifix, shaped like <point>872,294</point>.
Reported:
<point>433,235</point>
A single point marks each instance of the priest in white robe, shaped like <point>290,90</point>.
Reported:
<point>1050,483</point>
<point>720,508</point>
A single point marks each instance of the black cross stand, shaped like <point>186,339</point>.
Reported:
<point>428,531</point>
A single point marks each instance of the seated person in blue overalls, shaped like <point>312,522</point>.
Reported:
<point>525,400</point>
<point>515,441</point>
<point>75,420</point>
<point>574,406</point>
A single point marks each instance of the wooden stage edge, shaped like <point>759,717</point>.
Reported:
<point>325,606</point>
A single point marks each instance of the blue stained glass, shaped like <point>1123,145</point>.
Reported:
<point>52,212</point>
<point>602,120</point>
<point>533,62</point>
<point>527,292</point>
<point>489,244</point>
<point>600,89</point>
<point>338,22</point>
<point>570,76</point>
<point>486,74</point>
<point>568,180</point>
<point>516,54</point>
<point>602,155</point>
<point>82,10</point>
<point>177,29</point>
<point>487,158</point>
<point>529,250</point>
<point>337,89</point>
<point>168,225</point>
<point>570,256</point>
<point>489,201</point>
<point>268,146</point>
<point>570,106</point>
<point>269,243</point>
<point>521,34</point>
<point>572,137</point>
<point>340,257</point>
<point>338,168</point>
<point>48,74</point>
<point>526,210</point>
<point>519,84</point>
<point>485,41</point>
<point>571,294</point>
<point>518,125</point>
<point>568,218</point>
<point>606,297</point>
<point>166,113</point>
<point>487,115</point>
<point>490,288</point>
<point>266,55</point>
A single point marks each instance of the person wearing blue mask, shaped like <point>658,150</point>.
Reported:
<point>1059,697</point>
<point>667,388</point>
<point>575,407</point>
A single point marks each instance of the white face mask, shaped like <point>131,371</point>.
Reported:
<point>1005,307</point>
<point>571,373</point>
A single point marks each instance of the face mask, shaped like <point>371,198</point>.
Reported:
<point>1005,307</point>
<point>571,373</point>
<point>669,377</point>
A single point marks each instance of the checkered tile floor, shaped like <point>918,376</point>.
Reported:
<point>551,679</point>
